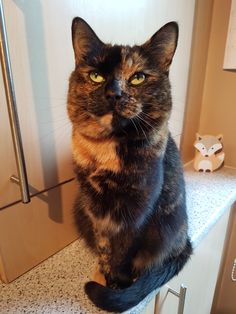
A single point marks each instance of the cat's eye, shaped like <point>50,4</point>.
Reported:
<point>96,77</point>
<point>137,78</point>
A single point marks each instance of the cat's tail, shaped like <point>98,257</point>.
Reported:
<point>121,300</point>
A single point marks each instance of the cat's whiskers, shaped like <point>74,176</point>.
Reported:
<point>55,120</point>
<point>139,121</point>
<point>147,115</point>
<point>59,131</point>
<point>135,126</point>
<point>153,125</point>
<point>150,117</point>
<point>145,121</point>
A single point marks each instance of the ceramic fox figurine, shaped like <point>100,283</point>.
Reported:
<point>209,155</point>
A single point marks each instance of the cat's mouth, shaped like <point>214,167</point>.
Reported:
<point>119,120</point>
<point>114,123</point>
<point>128,110</point>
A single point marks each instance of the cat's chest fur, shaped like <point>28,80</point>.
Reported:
<point>95,155</point>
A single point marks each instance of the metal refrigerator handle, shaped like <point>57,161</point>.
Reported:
<point>233,272</point>
<point>12,109</point>
<point>181,295</point>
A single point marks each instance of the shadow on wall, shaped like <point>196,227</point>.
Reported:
<point>33,17</point>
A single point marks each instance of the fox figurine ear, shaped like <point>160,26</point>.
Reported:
<point>198,137</point>
<point>219,137</point>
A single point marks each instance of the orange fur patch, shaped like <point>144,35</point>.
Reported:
<point>106,120</point>
<point>131,63</point>
<point>99,277</point>
<point>101,154</point>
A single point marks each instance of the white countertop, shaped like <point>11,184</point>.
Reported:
<point>56,285</point>
<point>208,196</point>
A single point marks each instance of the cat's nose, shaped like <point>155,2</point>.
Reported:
<point>113,94</point>
<point>113,91</point>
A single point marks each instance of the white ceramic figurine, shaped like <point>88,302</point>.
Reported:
<point>209,155</point>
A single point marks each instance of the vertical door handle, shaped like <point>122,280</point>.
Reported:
<point>181,295</point>
<point>12,108</point>
<point>233,272</point>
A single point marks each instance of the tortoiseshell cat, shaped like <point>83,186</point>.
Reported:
<point>131,200</point>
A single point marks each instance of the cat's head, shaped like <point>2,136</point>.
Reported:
<point>120,90</point>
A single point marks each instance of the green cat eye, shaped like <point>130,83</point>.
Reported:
<point>137,78</point>
<point>96,77</point>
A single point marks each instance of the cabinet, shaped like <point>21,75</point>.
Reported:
<point>30,233</point>
<point>224,298</point>
<point>199,275</point>
<point>42,59</point>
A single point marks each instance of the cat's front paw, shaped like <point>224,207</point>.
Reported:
<point>99,277</point>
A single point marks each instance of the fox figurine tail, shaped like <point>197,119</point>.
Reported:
<point>121,300</point>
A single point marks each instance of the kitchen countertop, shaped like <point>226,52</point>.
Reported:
<point>208,196</point>
<point>56,285</point>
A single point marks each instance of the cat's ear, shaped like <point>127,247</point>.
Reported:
<point>162,45</point>
<point>84,39</point>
